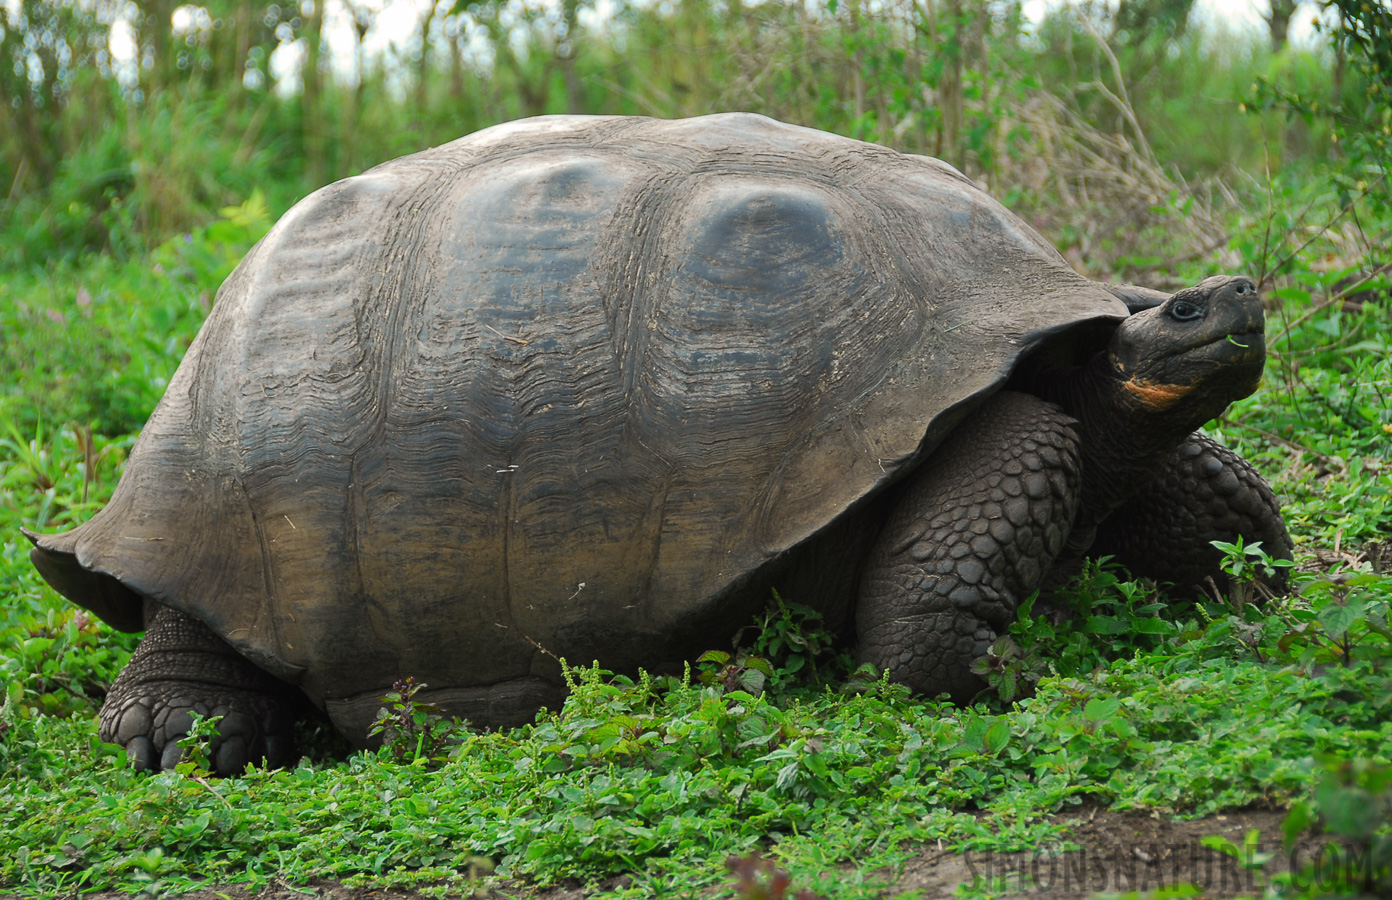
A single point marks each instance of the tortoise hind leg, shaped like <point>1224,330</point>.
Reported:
<point>972,533</point>
<point>1204,492</point>
<point>181,667</point>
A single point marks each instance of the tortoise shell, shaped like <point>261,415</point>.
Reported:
<point>568,383</point>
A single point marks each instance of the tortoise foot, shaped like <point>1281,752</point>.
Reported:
<point>931,653</point>
<point>1204,492</point>
<point>182,668</point>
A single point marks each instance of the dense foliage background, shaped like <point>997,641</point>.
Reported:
<point>144,146</point>
<point>122,123</point>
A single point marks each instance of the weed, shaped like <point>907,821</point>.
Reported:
<point>1009,670</point>
<point>197,746</point>
<point>789,643</point>
<point>739,671</point>
<point>1097,616</point>
<point>1250,572</point>
<point>1249,856</point>
<point>1346,621</point>
<point>412,730</point>
<point>794,640</point>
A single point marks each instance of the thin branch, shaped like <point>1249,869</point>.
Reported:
<point>203,781</point>
<point>1335,298</point>
<point>1123,102</point>
<point>1270,207</point>
<point>1271,436</point>
<point>1330,224</point>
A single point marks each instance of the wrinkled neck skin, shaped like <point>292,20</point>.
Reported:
<point>1124,442</point>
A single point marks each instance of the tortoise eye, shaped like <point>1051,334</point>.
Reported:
<point>1185,311</point>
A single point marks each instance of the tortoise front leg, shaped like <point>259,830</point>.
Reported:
<point>182,667</point>
<point>1204,492</point>
<point>973,533</point>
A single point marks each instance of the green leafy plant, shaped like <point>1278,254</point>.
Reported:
<point>1097,616</point>
<point>739,671</point>
<point>1248,855</point>
<point>197,746</point>
<point>1250,571</point>
<point>1352,800</point>
<point>789,642</point>
<point>793,638</point>
<point>1347,621</point>
<point>413,731</point>
<point>1009,670</point>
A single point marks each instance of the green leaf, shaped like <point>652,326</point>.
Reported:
<point>758,665</point>
<point>753,681</point>
<point>997,737</point>
<point>1098,711</point>
<point>1106,625</point>
<point>1222,845</point>
<point>1338,618</point>
<point>1300,819</point>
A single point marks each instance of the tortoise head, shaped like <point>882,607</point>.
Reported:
<point>1192,355</point>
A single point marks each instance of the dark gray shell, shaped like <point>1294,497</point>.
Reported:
<point>572,381</point>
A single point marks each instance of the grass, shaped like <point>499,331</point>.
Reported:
<point>666,778</point>
<point>1181,708</point>
<point>95,344</point>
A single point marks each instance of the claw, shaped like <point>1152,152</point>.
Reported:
<point>140,750</point>
<point>231,757</point>
<point>278,750</point>
<point>171,756</point>
<point>176,723</point>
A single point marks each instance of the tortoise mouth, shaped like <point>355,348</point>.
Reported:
<point>1248,343</point>
<point>1232,347</point>
<point>1230,364</point>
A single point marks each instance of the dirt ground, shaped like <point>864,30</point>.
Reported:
<point>1122,851</point>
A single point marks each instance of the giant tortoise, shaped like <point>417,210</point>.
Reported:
<point>596,385</point>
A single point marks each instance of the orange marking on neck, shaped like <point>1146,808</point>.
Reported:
<point>1156,396</point>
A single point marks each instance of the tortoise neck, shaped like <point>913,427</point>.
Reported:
<point>1124,442</point>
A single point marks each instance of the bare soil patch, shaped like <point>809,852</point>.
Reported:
<point>1120,851</point>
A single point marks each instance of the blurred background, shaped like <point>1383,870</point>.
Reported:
<point>122,123</point>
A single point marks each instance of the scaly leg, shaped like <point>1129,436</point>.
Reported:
<point>973,532</point>
<point>1204,492</point>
